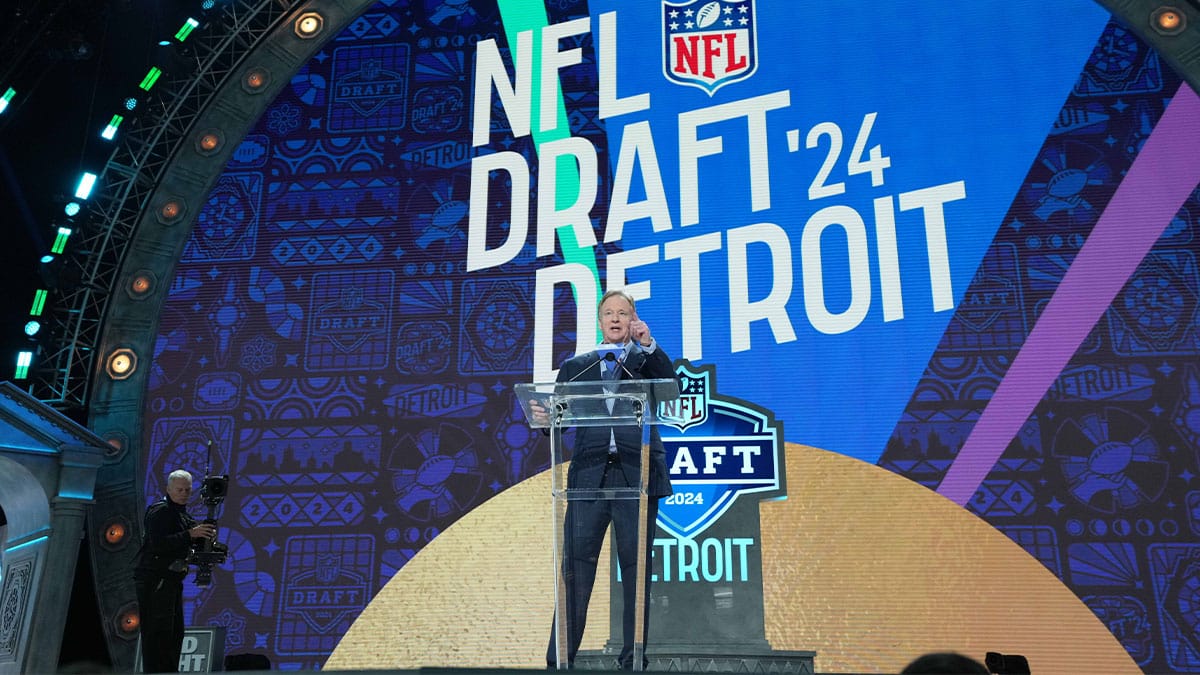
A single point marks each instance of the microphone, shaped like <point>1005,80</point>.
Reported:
<point>603,353</point>
<point>618,354</point>
<point>612,356</point>
<point>590,366</point>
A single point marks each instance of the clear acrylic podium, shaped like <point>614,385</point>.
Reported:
<point>629,407</point>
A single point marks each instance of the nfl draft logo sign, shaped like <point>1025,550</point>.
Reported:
<point>718,449</point>
<point>709,43</point>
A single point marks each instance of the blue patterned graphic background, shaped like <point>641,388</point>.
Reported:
<point>1098,484</point>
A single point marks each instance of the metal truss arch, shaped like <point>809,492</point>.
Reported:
<point>151,191</point>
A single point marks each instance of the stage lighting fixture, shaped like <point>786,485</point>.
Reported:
<point>131,103</point>
<point>86,182</point>
<point>1167,20</point>
<point>255,80</point>
<point>60,240</point>
<point>129,621</point>
<point>140,285</point>
<point>110,131</point>
<point>39,302</point>
<point>115,533</point>
<point>32,327</point>
<point>72,209</point>
<point>186,29</point>
<point>151,77</point>
<point>170,211</point>
<point>8,96</point>
<point>116,441</point>
<point>24,360</point>
<point>121,363</point>
<point>51,271</point>
<point>209,142</point>
<point>207,5</point>
<point>308,25</point>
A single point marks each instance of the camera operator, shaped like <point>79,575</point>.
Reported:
<point>169,533</point>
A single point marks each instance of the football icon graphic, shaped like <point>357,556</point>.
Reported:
<point>708,14</point>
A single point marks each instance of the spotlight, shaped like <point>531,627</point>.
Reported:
<point>308,25</point>
<point>131,103</point>
<point>171,211</point>
<point>72,209</point>
<point>54,272</point>
<point>151,77</point>
<point>255,80</point>
<point>60,240</point>
<point>140,285</point>
<point>110,130</point>
<point>1167,20</point>
<point>86,182</point>
<point>121,363</point>
<point>116,441</point>
<point>39,302</point>
<point>115,533</point>
<point>209,142</point>
<point>129,621</point>
<point>24,360</point>
<point>32,327</point>
<point>186,29</point>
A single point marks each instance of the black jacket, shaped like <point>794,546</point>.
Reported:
<point>165,539</point>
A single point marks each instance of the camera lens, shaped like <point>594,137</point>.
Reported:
<point>215,487</point>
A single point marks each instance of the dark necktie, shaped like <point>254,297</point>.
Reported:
<point>609,374</point>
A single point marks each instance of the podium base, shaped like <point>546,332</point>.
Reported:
<point>679,661</point>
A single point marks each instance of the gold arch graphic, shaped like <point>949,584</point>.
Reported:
<point>863,566</point>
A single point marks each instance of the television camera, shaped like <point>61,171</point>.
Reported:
<point>209,552</point>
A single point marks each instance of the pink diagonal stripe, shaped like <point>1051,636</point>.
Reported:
<point>1163,175</point>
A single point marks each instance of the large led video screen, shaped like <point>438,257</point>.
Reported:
<point>935,262</point>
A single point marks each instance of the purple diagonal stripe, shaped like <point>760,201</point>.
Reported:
<point>1164,174</point>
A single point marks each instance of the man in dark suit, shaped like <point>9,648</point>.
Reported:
<point>610,457</point>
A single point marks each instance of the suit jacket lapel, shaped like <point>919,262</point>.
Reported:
<point>635,361</point>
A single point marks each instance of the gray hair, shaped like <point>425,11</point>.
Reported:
<point>179,474</point>
<point>617,293</point>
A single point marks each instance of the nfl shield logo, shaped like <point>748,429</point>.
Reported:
<point>691,408</point>
<point>329,567</point>
<point>709,43</point>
